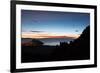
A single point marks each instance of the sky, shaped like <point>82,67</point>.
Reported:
<point>52,24</point>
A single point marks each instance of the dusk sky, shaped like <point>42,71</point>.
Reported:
<point>43,24</point>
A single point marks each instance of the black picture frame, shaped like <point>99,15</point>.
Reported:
<point>13,35</point>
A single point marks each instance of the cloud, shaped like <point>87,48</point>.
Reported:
<point>36,31</point>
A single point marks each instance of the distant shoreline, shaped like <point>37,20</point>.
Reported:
<point>49,41</point>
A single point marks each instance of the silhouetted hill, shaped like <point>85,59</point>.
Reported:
<point>77,49</point>
<point>82,44</point>
<point>36,42</point>
<point>31,42</point>
<point>84,37</point>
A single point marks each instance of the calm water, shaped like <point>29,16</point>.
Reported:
<point>49,41</point>
<point>53,41</point>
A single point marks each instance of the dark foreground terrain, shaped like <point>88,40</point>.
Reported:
<point>78,49</point>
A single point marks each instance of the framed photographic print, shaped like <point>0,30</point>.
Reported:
<point>51,36</point>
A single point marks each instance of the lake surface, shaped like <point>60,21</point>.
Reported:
<point>49,41</point>
<point>55,41</point>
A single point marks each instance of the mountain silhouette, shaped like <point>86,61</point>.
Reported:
<point>77,49</point>
<point>31,42</point>
<point>36,42</point>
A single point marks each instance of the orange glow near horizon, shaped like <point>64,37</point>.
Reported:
<point>48,35</point>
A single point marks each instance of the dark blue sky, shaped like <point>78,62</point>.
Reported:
<point>54,22</point>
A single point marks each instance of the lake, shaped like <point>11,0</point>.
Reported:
<point>54,41</point>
